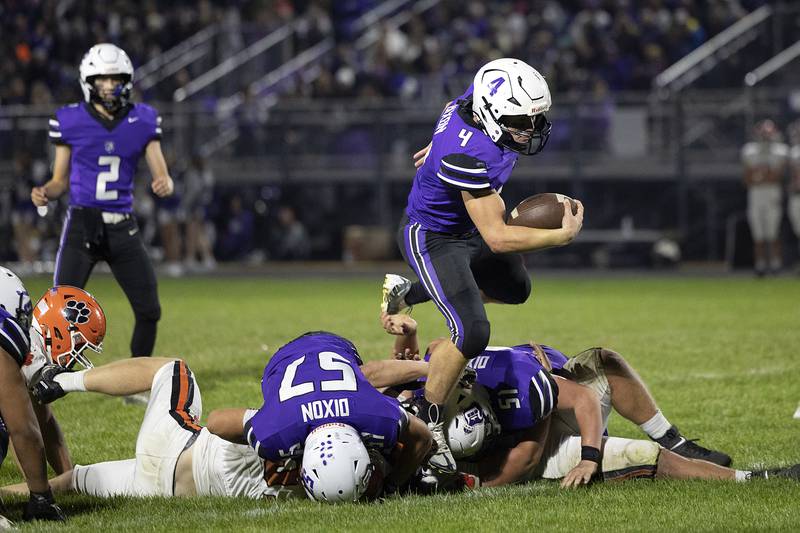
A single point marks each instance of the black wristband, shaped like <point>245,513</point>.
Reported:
<point>590,453</point>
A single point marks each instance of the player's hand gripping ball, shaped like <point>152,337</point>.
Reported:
<point>541,211</point>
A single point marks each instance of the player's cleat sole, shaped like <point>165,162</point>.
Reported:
<point>441,460</point>
<point>395,288</point>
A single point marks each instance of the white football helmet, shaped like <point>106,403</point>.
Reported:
<point>106,59</point>
<point>472,423</point>
<point>14,298</point>
<point>510,95</point>
<point>336,464</point>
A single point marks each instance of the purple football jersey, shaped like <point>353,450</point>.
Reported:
<point>462,158</point>
<point>521,390</point>
<point>105,153</point>
<point>315,380</point>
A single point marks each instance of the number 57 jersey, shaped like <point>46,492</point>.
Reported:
<point>104,153</point>
<point>315,380</point>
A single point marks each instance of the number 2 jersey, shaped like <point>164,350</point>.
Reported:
<point>315,380</point>
<point>105,153</point>
<point>462,158</point>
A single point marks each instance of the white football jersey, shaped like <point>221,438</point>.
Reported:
<point>35,360</point>
<point>774,154</point>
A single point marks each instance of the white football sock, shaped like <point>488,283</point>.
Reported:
<point>72,381</point>
<point>742,475</point>
<point>657,426</point>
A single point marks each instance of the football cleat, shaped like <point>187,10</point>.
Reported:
<point>677,443</point>
<point>441,459</point>
<point>42,506</point>
<point>789,472</point>
<point>44,388</point>
<point>395,288</point>
<point>797,413</point>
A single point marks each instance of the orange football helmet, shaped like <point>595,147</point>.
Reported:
<point>67,320</point>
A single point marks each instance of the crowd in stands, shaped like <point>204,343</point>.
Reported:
<point>44,40</point>
<point>576,44</point>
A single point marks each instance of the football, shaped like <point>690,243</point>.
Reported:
<point>542,211</point>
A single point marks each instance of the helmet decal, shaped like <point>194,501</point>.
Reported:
<point>495,84</point>
<point>76,312</point>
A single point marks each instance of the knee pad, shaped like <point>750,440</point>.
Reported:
<point>149,313</point>
<point>475,338</point>
<point>629,459</point>
<point>517,291</point>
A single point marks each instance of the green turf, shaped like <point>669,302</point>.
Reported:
<point>720,355</point>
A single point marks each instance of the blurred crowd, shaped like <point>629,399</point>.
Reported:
<point>44,40</point>
<point>576,44</point>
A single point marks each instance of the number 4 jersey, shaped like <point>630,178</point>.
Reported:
<point>462,158</point>
<point>105,153</point>
<point>315,380</point>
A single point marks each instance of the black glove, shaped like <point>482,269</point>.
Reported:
<point>44,388</point>
<point>42,506</point>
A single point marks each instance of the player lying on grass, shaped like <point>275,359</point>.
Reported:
<point>321,404</point>
<point>175,456</point>
<point>526,449</point>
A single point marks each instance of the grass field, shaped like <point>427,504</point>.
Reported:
<point>720,355</point>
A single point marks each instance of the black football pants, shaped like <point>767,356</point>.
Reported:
<point>85,240</point>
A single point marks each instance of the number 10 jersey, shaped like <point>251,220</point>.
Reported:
<point>105,153</point>
<point>315,380</point>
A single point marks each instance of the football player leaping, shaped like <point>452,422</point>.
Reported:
<point>522,451</point>
<point>454,235</point>
<point>98,146</point>
<point>175,456</point>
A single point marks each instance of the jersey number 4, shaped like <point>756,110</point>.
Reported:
<point>464,135</point>
<point>327,361</point>
<point>106,177</point>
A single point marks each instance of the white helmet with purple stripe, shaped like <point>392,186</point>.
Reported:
<point>511,98</point>
<point>472,424</point>
<point>336,464</point>
<point>106,59</point>
<point>14,298</point>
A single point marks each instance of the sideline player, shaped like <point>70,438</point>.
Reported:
<point>19,419</point>
<point>319,404</point>
<point>98,146</point>
<point>175,456</point>
<point>454,236</point>
<point>615,384</point>
<point>764,161</point>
